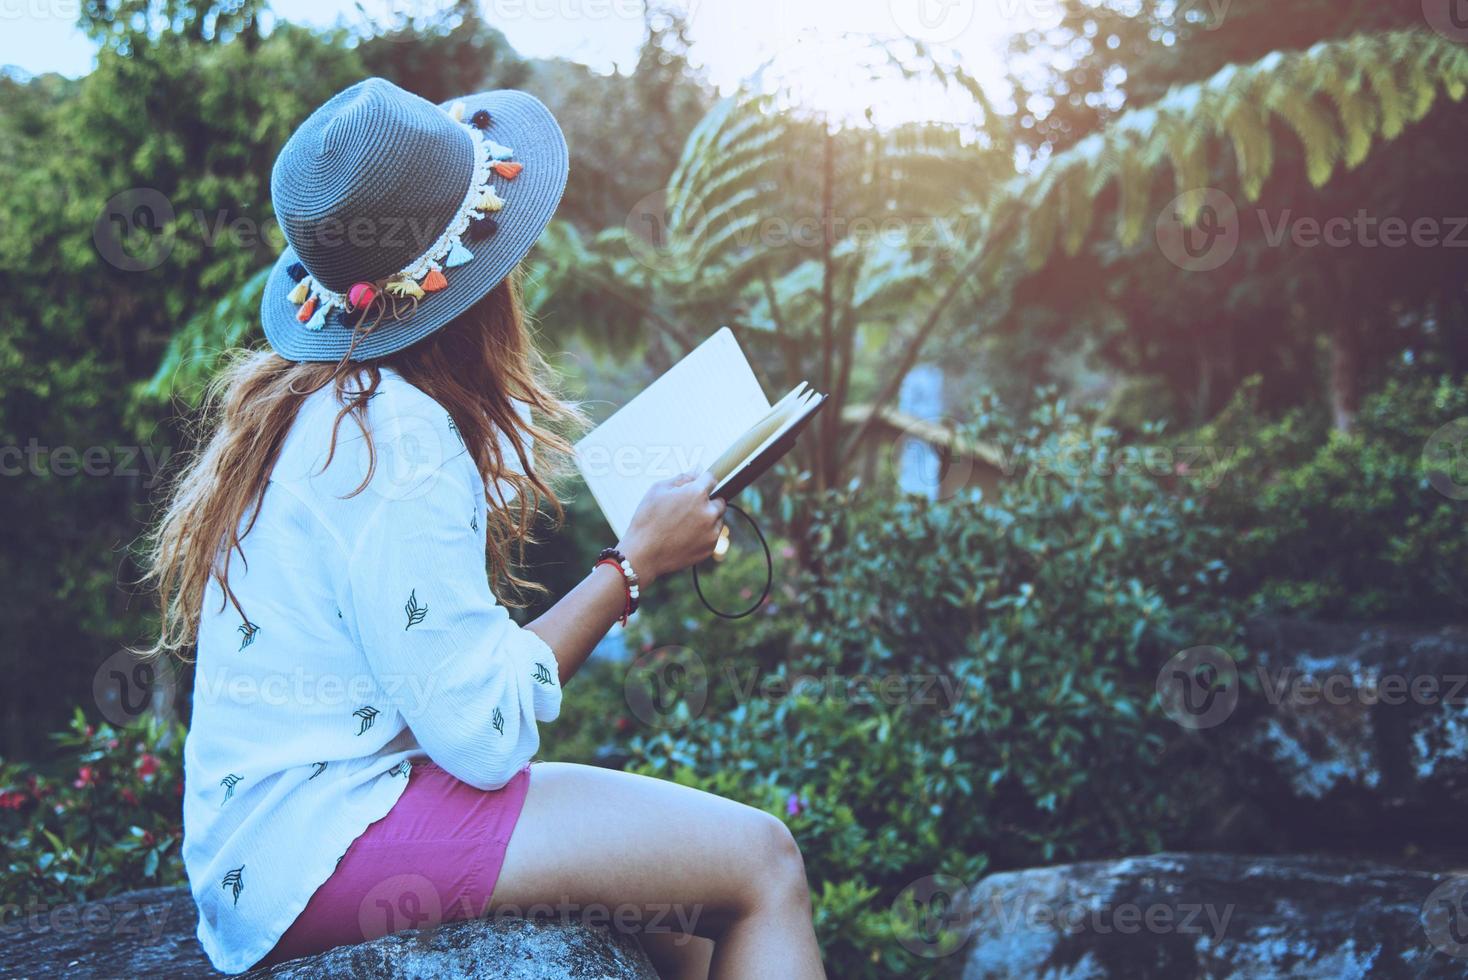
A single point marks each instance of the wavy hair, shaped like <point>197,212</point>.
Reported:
<point>478,367</point>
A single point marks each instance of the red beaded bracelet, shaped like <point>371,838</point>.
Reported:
<point>629,581</point>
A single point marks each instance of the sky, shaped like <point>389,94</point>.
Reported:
<point>731,38</point>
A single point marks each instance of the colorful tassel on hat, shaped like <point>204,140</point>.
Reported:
<point>434,281</point>
<point>458,255</point>
<point>498,151</point>
<point>318,319</point>
<point>507,169</point>
<point>296,271</point>
<point>481,228</point>
<point>457,111</point>
<point>361,294</point>
<point>300,292</point>
<point>307,308</point>
<point>489,201</point>
<point>404,287</point>
<point>481,119</point>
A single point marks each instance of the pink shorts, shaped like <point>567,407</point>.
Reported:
<point>434,858</point>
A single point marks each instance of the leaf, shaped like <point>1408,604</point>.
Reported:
<point>415,611</point>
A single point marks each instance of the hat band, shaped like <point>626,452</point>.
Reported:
<point>425,273</point>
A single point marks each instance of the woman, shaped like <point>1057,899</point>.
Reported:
<point>365,712</point>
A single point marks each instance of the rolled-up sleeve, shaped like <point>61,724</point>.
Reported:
<point>469,681</point>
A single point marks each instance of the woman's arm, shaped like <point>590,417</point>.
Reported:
<point>676,525</point>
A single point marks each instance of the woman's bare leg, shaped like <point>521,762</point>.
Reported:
<point>673,858</point>
<point>677,955</point>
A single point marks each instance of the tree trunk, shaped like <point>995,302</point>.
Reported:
<point>1345,376</point>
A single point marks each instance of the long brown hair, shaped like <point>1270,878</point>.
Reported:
<point>477,367</point>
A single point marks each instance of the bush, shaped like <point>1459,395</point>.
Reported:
<point>1332,524</point>
<point>111,821</point>
<point>1010,650</point>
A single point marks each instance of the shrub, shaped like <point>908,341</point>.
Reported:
<point>1345,525</point>
<point>109,821</point>
<point>1011,648</point>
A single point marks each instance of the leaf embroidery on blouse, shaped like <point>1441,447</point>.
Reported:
<point>542,673</point>
<point>403,768</point>
<point>229,782</point>
<point>339,612</point>
<point>498,721</point>
<point>454,428</point>
<point>415,612</point>
<point>318,768</point>
<point>368,715</point>
<point>235,880</point>
<point>249,631</point>
<point>474,521</point>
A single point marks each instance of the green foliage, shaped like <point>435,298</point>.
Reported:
<point>1338,525</point>
<point>109,821</point>
<point>963,684</point>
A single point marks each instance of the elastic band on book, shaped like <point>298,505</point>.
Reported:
<point>769,574</point>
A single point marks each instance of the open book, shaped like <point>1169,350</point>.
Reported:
<point>708,412</point>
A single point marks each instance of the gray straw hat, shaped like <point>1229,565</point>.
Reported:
<point>400,214</point>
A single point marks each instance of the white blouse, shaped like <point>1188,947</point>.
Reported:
<point>369,637</point>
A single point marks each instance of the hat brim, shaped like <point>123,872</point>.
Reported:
<point>520,122</point>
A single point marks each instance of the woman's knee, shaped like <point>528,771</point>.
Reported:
<point>777,873</point>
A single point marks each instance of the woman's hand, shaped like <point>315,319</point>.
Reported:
<point>676,525</point>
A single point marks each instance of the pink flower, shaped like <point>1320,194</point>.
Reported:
<point>147,766</point>
<point>85,776</point>
<point>795,805</point>
<point>130,796</point>
<point>12,800</point>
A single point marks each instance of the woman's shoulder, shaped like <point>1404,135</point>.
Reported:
<point>406,436</point>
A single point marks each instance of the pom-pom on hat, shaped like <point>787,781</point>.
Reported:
<point>379,193</point>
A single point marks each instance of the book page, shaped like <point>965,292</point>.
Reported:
<point>800,407</point>
<point>683,421</point>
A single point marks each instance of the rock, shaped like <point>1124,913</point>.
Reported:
<point>151,933</point>
<point>1350,734</point>
<point>516,949</point>
<point>1217,916</point>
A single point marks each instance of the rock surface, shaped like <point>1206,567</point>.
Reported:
<point>150,933</point>
<point>1217,916</point>
<point>1353,734</point>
